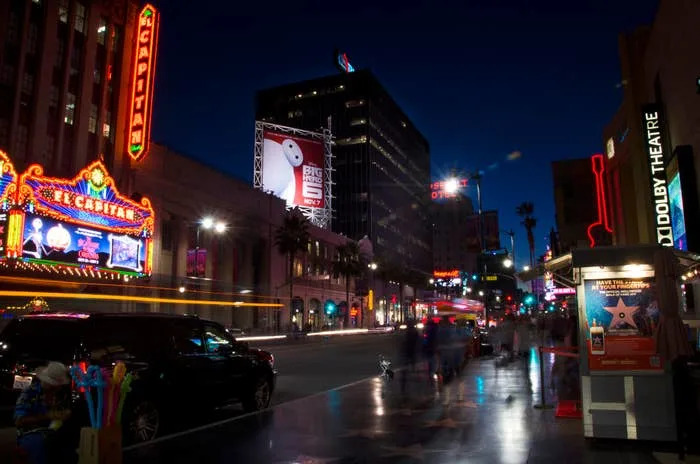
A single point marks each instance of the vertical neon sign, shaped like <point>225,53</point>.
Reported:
<point>600,230</point>
<point>145,49</point>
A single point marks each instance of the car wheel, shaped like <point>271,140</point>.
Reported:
<point>143,422</point>
<point>259,398</point>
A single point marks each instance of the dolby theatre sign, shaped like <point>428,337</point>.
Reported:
<point>653,132</point>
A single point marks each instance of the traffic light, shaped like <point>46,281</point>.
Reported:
<point>331,308</point>
<point>475,277</point>
<point>509,298</point>
<point>529,299</point>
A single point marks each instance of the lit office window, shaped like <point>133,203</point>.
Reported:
<point>101,31</point>
<point>63,11</point>
<point>106,128</point>
<point>80,17</point>
<point>69,117</point>
<point>92,121</point>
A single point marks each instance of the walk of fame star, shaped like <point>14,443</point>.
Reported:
<point>621,313</point>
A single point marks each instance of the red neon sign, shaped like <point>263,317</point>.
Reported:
<point>599,229</point>
<point>447,188</point>
<point>145,49</point>
<point>446,274</point>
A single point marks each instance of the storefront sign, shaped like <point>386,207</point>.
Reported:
<point>145,49</point>
<point>454,273</point>
<point>653,131</point>
<point>621,315</point>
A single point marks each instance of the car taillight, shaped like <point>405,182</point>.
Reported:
<point>265,356</point>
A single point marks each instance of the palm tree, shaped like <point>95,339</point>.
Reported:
<point>292,238</point>
<point>525,211</point>
<point>349,264</point>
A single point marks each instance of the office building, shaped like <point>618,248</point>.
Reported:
<point>574,202</point>
<point>451,242</point>
<point>64,80</point>
<point>381,161</point>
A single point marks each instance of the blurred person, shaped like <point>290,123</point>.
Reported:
<point>409,346</point>
<point>40,413</point>
<point>507,330</point>
<point>522,331</point>
<point>430,342</point>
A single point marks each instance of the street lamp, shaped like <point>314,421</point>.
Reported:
<point>206,223</point>
<point>451,186</point>
<point>526,268</point>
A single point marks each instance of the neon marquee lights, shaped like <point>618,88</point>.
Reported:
<point>145,50</point>
<point>81,225</point>
<point>90,199</point>
<point>600,230</point>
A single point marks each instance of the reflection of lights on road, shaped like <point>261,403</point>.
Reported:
<point>377,397</point>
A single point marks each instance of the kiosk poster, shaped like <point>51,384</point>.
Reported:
<point>621,315</point>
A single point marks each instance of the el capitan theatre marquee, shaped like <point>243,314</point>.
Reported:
<point>72,228</point>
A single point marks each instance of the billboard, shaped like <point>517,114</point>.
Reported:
<point>49,240</point>
<point>675,197</point>
<point>621,314</point>
<point>293,169</point>
<point>491,232</point>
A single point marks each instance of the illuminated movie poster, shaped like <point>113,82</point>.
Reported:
<point>292,169</point>
<point>49,240</point>
<point>621,315</point>
<point>677,215</point>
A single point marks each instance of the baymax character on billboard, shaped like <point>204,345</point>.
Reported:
<point>279,161</point>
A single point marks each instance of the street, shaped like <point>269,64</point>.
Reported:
<point>306,367</point>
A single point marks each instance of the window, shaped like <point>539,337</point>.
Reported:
<point>32,37</point>
<point>60,51</point>
<point>101,31</point>
<point>12,28</point>
<point>4,132</point>
<point>21,141</point>
<point>166,235</point>
<point>76,59</point>
<point>106,129</point>
<point>187,338</point>
<point>63,11</point>
<point>96,76</point>
<point>28,83</point>
<point>69,117</point>
<point>80,17</point>
<point>215,339</point>
<point>50,143</point>
<point>92,121</point>
<point>7,74</point>
<point>53,97</point>
<point>318,248</point>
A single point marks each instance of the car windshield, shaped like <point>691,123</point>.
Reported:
<point>45,338</point>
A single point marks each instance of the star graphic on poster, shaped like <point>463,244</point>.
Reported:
<point>621,313</point>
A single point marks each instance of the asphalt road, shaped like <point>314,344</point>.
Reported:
<point>305,367</point>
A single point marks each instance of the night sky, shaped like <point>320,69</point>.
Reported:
<point>479,81</point>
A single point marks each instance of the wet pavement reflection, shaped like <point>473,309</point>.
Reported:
<point>485,415</point>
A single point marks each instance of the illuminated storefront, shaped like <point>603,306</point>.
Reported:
<point>81,228</point>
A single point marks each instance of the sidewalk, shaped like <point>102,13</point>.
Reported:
<point>485,416</point>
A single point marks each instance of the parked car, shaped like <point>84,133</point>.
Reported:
<point>181,364</point>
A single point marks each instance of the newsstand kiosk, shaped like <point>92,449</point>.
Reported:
<point>626,387</point>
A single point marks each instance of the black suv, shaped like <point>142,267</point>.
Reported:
<point>182,364</point>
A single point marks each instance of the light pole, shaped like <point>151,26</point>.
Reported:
<point>206,223</point>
